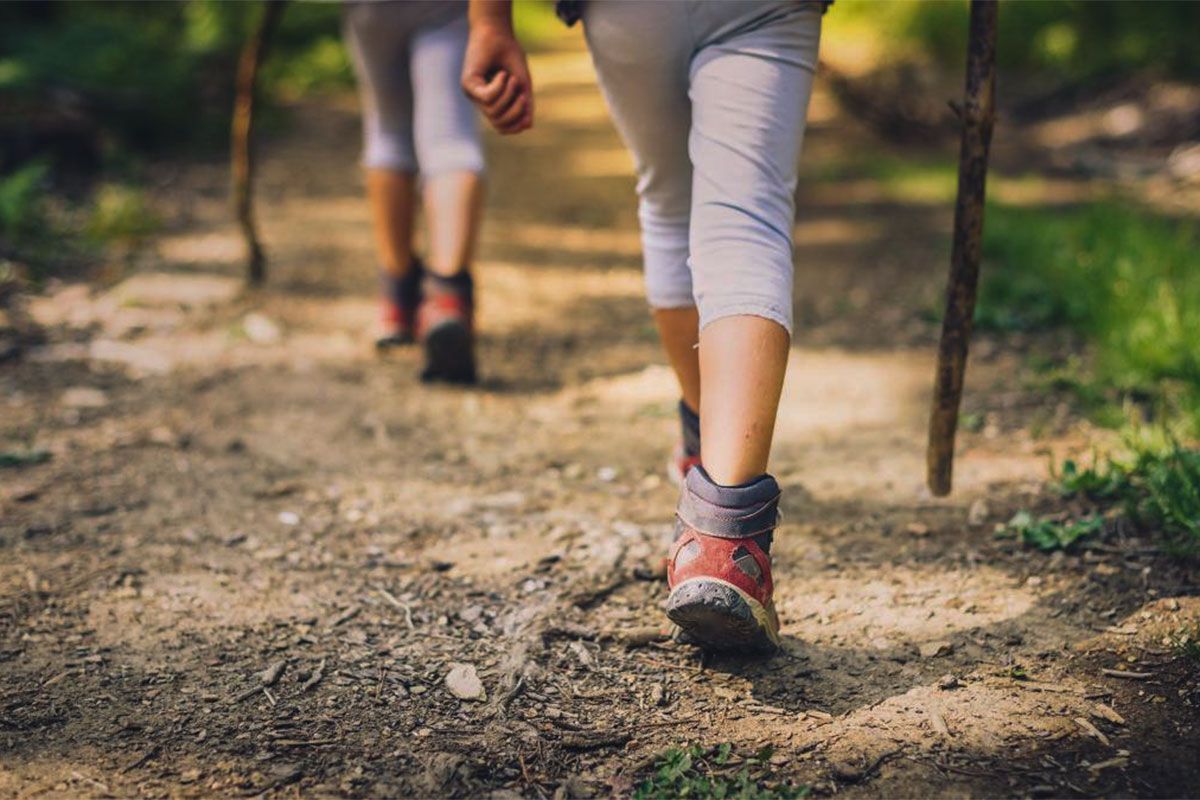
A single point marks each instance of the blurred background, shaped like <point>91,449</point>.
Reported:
<point>1093,208</point>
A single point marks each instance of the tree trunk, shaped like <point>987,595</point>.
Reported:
<point>978,112</point>
<point>241,137</point>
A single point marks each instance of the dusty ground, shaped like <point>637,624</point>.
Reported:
<point>237,483</point>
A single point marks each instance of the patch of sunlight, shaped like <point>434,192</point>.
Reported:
<point>167,606</point>
<point>515,298</point>
<point>561,69</point>
<point>582,107</point>
<point>835,231</point>
<point>610,162</point>
<point>832,391</point>
<point>655,385</point>
<point>214,247</point>
<point>341,209</point>
<point>1037,190</point>
<point>899,607</point>
<point>570,238</point>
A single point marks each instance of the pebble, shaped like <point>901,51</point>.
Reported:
<point>935,649</point>
<point>261,329</point>
<point>947,682</point>
<point>978,513</point>
<point>463,682</point>
<point>606,474</point>
<point>289,518</point>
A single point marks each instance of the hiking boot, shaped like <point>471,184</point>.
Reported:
<point>687,451</point>
<point>719,570</point>
<point>401,297</point>
<point>445,326</point>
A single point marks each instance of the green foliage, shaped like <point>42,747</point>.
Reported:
<point>1120,276</point>
<point>23,202</point>
<point>1075,39</point>
<point>15,459</point>
<point>1157,487</point>
<point>160,74</point>
<point>120,214</point>
<point>707,774</point>
<point>1048,534</point>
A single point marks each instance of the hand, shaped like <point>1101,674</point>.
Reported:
<point>496,78</point>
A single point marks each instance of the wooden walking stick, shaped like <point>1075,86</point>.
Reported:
<point>978,112</point>
<point>240,138</point>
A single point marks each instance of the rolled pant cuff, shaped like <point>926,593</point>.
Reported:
<point>774,313</point>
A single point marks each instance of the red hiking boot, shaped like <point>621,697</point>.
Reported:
<point>719,570</point>
<point>445,326</point>
<point>401,296</point>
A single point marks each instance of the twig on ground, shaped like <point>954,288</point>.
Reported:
<point>388,596</point>
<point>315,678</point>
<point>1126,674</point>
<point>145,757</point>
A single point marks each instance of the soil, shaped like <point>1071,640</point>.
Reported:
<point>257,550</point>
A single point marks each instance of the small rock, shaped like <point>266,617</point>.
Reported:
<point>606,474</point>
<point>947,682</point>
<point>189,776</point>
<point>978,513</point>
<point>917,529</point>
<point>261,329</point>
<point>658,695</point>
<point>463,682</point>
<point>471,613</point>
<point>289,518</point>
<point>936,649</point>
<point>84,397</point>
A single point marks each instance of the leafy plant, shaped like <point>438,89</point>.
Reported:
<point>706,774</point>
<point>1048,534</point>
<point>1157,487</point>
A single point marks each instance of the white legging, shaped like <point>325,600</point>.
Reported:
<point>711,98</point>
<point>408,58</point>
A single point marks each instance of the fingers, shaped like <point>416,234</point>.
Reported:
<point>498,107</point>
<point>485,92</point>
<point>516,118</point>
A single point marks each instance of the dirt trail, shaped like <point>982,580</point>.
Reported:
<point>237,482</point>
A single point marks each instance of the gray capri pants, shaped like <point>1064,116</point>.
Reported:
<point>711,98</point>
<point>408,57</point>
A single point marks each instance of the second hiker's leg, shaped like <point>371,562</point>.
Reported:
<point>641,52</point>
<point>450,157</point>
<point>378,37</point>
<point>392,195</point>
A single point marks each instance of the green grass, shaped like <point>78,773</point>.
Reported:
<point>714,773</point>
<point>1120,277</point>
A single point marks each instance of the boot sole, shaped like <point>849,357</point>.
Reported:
<point>719,616</point>
<point>449,354</point>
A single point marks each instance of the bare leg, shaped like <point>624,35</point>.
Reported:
<point>679,330</point>
<point>393,204</point>
<point>453,208</point>
<point>742,363</point>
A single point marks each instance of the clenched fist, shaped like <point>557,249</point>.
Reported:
<point>495,74</point>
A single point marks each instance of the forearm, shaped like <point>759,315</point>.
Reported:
<point>496,13</point>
